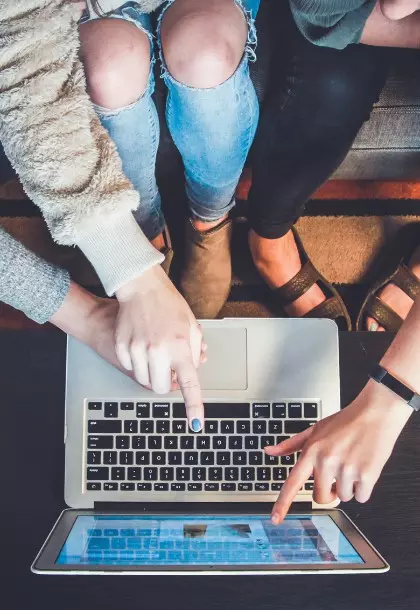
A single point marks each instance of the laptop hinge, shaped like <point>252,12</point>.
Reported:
<point>200,507</point>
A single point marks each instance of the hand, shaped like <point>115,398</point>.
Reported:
<point>157,336</point>
<point>350,447</point>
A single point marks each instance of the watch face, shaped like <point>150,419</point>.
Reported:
<point>398,387</point>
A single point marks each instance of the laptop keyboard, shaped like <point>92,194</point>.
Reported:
<point>148,446</point>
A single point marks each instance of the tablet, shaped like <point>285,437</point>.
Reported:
<point>94,542</point>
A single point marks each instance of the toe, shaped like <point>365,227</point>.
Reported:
<point>371,324</point>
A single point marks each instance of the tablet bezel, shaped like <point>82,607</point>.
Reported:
<point>45,562</point>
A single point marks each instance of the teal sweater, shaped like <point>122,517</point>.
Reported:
<point>332,23</point>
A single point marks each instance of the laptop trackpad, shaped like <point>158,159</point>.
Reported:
<point>226,366</point>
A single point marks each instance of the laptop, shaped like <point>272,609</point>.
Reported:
<point>149,496</point>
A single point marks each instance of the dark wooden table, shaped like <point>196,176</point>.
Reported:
<point>32,398</point>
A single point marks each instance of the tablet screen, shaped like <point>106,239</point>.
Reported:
<point>178,540</point>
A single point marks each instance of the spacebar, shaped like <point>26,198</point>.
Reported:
<point>216,410</point>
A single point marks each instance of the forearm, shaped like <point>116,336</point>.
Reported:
<point>382,31</point>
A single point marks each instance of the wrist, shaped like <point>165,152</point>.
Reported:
<point>75,314</point>
<point>381,402</point>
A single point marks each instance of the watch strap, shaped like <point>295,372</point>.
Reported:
<point>381,375</point>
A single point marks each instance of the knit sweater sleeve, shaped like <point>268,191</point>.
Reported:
<point>332,23</point>
<point>65,160</point>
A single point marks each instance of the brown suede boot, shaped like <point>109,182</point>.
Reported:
<point>205,281</point>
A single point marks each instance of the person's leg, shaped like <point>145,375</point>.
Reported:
<point>212,114</point>
<point>308,124</point>
<point>116,53</point>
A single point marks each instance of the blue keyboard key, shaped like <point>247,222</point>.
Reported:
<point>128,532</point>
<point>94,532</point>
<point>134,543</point>
<point>118,543</point>
<point>98,544</point>
<point>110,532</point>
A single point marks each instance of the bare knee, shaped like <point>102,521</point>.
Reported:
<point>116,56</point>
<point>202,47</point>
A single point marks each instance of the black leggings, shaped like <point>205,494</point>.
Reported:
<point>318,100</point>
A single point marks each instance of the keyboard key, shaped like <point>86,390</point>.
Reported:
<point>122,442</point>
<point>271,460</point>
<point>211,427</point>
<point>100,442</point>
<point>187,442</point>
<point>110,486</point>
<point>243,427</point>
<point>127,487</point>
<point>147,426</point>
<point>143,410</point>
<point>287,460</point>
<point>276,486</point>
<point>103,426</point>
<point>159,458</point>
<point>178,427</point>
<point>150,474</point>
<point>259,427</point>
<point>175,458</point>
<point>279,474</point>
<point>178,487</point>
<point>163,426</point>
<point>144,487</point>
<point>235,442</point>
<point>255,458</point>
<point>143,458</point>
<point>94,406</point>
<point>262,487</point>
<point>199,474</point>
<point>219,442</point>
<point>239,458</point>
<point>98,474</point>
<point>219,410</point>
<point>154,442</point>
<point>215,474</point>
<point>310,410</point>
<point>94,486</point>
<point>261,409</point>
<point>195,486</point>
<point>117,473</point>
<point>183,474</point>
<point>166,474</point>
<point>203,442</point>
<point>138,442</point>
<point>130,426</point>
<point>211,487</point>
<point>294,410</point>
<point>263,474</point>
<point>247,474</point>
<point>281,439</point>
<point>294,427</point>
<point>161,410</point>
<point>191,458</point>
<point>207,458</point>
<point>134,474</point>
<point>110,457</point>
<point>127,406</point>
<point>245,487</point>
<point>228,486</point>
<point>93,457</point>
<point>231,474</point>
<point>222,458</point>
<point>275,427</point>
<point>111,409</point>
<point>170,442</point>
<point>252,442</point>
<point>227,427</point>
<point>309,486</point>
<point>279,410</point>
<point>161,487</point>
<point>126,457</point>
<point>266,441</point>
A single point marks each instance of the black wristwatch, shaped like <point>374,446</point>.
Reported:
<point>381,375</point>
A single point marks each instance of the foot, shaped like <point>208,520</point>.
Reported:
<point>278,261</point>
<point>205,280</point>
<point>396,298</point>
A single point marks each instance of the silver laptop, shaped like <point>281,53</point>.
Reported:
<point>151,496</point>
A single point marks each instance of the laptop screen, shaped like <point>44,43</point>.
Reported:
<point>178,540</point>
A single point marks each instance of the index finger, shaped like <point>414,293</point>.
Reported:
<point>190,387</point>
<point>300,473</point>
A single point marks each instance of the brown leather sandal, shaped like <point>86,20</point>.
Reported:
<point>394,269</point>
<point>333,308</point>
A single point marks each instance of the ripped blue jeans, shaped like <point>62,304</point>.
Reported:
<point>213,130</point>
